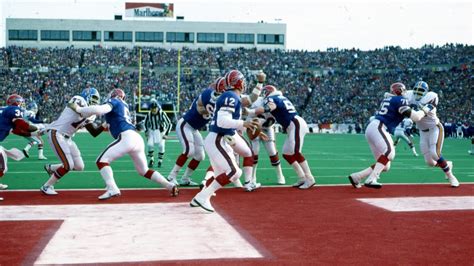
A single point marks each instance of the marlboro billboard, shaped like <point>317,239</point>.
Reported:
<point>149,10</point>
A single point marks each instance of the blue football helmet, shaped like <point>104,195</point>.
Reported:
<point>91,95</point>
<point>33,107</point>
<point>420,89</point>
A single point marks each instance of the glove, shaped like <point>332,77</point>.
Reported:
<point>261,77</point>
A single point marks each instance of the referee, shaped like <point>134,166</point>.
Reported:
<point>157,128</point>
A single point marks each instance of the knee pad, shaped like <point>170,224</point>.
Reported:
<point>289,158</point>
<point>101,165</point>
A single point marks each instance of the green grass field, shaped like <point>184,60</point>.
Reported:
<point>332,157</point>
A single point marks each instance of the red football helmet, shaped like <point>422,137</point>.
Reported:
<point>117,93</point>
<point>234,79</point>
<point>220,85</point>
<point>268,89</point>
<point>398,88</point>
<point>15,100</point>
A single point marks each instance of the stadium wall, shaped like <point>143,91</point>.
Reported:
<point>37,26</point>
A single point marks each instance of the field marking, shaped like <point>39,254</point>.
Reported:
<point>117,233</point>
<point>416,204</point>
<point>99,190</point>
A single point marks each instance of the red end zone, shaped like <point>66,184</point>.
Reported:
<point>325,225</point>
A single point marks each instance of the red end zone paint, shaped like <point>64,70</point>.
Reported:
<point>325,225</point>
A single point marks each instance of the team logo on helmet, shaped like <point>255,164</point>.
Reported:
<point>398,88</point>
<point>268,90</point>
<point>220,85</point>
<point>234,79</point>
<point>15,100</point>
<point>420,89</point>
<point>117,93</point>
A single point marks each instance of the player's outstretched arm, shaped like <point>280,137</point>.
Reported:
<point>91,110</point>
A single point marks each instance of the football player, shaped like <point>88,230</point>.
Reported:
<point>391,112</point>
<point>60,137</point>
<point>403,131</point>
<point>296,128</point>
<point>12,120</point>
<point>187,130</point>
<point>157,126</point>
<point>30,114</point>
<point>127,141</point>
<point>267,121</point>
<point>431,130</point>
<point>222,136</point>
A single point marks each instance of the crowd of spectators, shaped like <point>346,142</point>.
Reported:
<point>334,86</point>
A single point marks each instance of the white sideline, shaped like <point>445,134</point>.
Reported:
<point>415,204</point>
<point>115,233</point>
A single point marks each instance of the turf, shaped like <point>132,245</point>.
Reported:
<point>331,157</point>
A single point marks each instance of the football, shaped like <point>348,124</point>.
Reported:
<point>252,134</point>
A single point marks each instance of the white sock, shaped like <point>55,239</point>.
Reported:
<point>27,147</point>
<point>51,181</point>
<point>299,171</point>
<point>212,188</point>
<point>278,170</point>
<point>209,174</point>
<point>362,174</point>
<point>375,173</point>
<point>40,152</point>
<point>160,179</point>
<point>248,170</point>
<point>174,172</point>
<point>254,172</point>
<point>108,177</point>
<point>307,172</point>
<point>187,174</point>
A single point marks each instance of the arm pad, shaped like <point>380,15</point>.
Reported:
<point>224,120</point>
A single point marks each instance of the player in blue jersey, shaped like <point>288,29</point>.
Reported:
<point>222,136</point>
<point>127,141</point>
<point>296,128</point>
<point>12,120</point>
<point>393,109</point>
<point>187,130</point>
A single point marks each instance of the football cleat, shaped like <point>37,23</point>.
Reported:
<point>203,203</point>
<point>3,186</point>
<point>42,158</point>
<point>172,180</point>
<point>48,190</point>
<point>373,184</point>
<point>308,183</point>
<point>109,194</point>
<point>1,198</point>
<point>159,163</point>
<point>298,183</point>
<point>174,191</point>
<point>281,180</point>
<point>187,182</point>
<point>353,182</point>
<point>150,163</point>
<point>249,187</point>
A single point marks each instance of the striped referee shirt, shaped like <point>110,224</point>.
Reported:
<point>159,121</point>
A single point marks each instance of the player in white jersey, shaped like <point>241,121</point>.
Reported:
<point>127,142</point>
<point>267,121</point>
<point>403,131</point>
<point>431,130</point>
<point>60,134</point>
